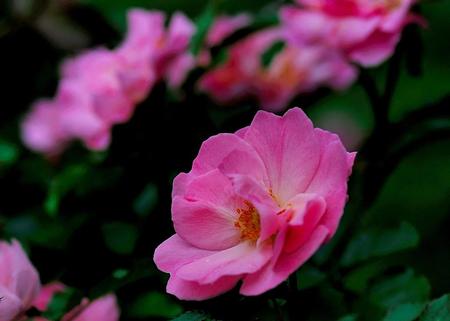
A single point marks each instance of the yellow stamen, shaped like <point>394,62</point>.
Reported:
<point>248,222</point>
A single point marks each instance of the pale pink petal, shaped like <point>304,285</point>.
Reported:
<point>276,272</point>
<point>243,258</point>
<point>289,148</point>
<point>225,26</point>
<point>178,70</point>
<point>46,295</point>
<point>102,309</point>
<point>304,216</point>
<point>10,305</point>
<point>203,225</point>
<point>175,252</point>
<point>330,180</point>
<point>216,149</point>
<point>375,49</point>
<point>188,290</point>
<point>41,130</point>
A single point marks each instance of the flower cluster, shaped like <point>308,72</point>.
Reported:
<point>255,206</point>
<point>315,45</point>
<point>100,88</point>
<point>20,290</point>
<point>321,39</point>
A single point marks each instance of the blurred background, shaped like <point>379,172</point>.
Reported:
<point>93,219</point>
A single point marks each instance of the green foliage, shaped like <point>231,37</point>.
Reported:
<point>203,23</point>
<point>147,200</point>
<point>309,276</point>
<point>379,242</point>
<point>268,56</point>
<point>154,304</point>
<point>120,237</point>
<point>437,310</point>
<point>193,316</point>
<point>403,288</point>
<point>61,303</point>
<point>404,312</point>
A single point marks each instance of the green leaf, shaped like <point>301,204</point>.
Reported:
<point>120,237</point>
<point>404,312</point>
<point>437,310</point>
<point>193,316</point>
<point>154,304</point>
<point>61,185</point>
<point>268,56</point>
<point>358,279</point>
<point>350,317</point>
<point>147,200</point>
<point>8,153</point>
<point>62,303</point>
<point>309,276</point>
<point>203,23</point>
<point>379,242</point>
<point>400,289</point>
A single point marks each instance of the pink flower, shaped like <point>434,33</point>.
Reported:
<point>365,31</point>
<point>165,52</point>
<point>224,26</point>
<point>19,281</point>
<point>255,206</point>
<point>46,294</point>
<point>41,129</point>
<point>292,71</point>
<point>101,309</point>
<point>100,87</point>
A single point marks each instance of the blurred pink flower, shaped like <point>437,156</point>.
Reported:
<point>365,31</point>
<point>101,309</point>
<point>255,206</point>
<point>100,88</point>
<point>224,26</point>
<point>292,71</point>
<point>163,52</point>
<point>46,294</point>
<point>41,129</point>
<point>19,281</point>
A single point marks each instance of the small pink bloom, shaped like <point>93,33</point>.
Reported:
<point>224,26</point>
<point>46,294</point>
<point>365,31</point>
<point>292,71</point>
<point>255,206</point>
<point>151,47</point>
<point>41,129</point>
<point>102,309</point>
<point>19,281</point>
<point>98,72</point>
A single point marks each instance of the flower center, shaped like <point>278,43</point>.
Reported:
<point>248,222</point>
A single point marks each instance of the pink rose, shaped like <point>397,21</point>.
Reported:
<point>224,26</point>
<point>42,301</point>
<point>41,129</point>
<point>19,281</point>
<point>149,46</point>
<point>292,71</point>
<point>102,309</point>
<point>255,206</point>
<point>365,31</point>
